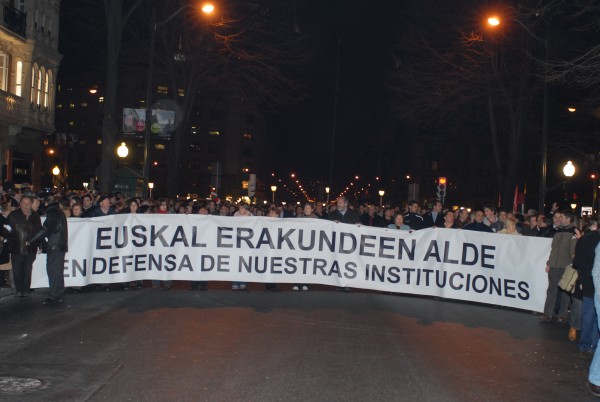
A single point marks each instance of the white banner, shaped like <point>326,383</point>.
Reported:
<point>458,264</point>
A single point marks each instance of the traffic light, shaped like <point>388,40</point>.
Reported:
<point>441,187</point>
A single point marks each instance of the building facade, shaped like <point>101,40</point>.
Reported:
<point>29,62</point>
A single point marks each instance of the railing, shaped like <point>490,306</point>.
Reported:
<point>15,20</point>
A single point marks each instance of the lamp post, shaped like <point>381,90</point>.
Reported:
<point>327,189</point>
<point>56,173</point>
<point>494,21</point>
<point>594,178</point>
<point>273,189</point>
<point>568,171</point>
<point>381,193</point>
<point>206,8</point>
<point>150,187</point>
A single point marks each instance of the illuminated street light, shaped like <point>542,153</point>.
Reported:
<point>381,193</point>
<point>208,8</point>
<point>572,109</point>
<point>122,151</point>
<point>55,171</point>
<point>273,189</point>
<point>493,21</point>
<point>150,187</point>
<point>569,169</point>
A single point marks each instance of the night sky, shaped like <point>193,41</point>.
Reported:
<point>303,132</point>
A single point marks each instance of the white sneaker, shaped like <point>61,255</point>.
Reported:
<point>305,287</point>
<point>295,288</point>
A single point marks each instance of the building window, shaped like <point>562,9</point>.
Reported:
<point>247,136</point>
<point>160,147</point>
<point>21,6</point>
<point>72,105</point>
<point>39,86</point>
<point>84,104</point>
<point>33,81</point>
<point>19,79</point>
<point>46,90</point>
<point>3,71</point>
<point>162,90</point>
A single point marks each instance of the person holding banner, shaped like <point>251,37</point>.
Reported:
<point>56,235</point>
<point>343,214</point>
<point>242,212</point>
<point>562,252</point>
<point>24,223</point>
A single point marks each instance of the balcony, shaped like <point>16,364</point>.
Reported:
<point>15,20</point>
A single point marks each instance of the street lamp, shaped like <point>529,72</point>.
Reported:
<point>56,173</point>
<point>150,187</point>
<point>273,189</point>
<point>122,151</point>
<point>206,8</point>
<point>381,193</point>
<point>568,171</point>
<point>327,189</point>
<point>494,21</point>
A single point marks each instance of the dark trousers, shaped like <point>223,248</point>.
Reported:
<point>55,267</point>
<point>552,293</point>
<point>22,266</point>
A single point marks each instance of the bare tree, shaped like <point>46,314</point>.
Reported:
<point>255,51</point>
<point>453,73</point>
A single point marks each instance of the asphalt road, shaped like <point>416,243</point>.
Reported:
<point>321,345</point>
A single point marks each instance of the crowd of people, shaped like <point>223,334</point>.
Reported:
<point>574,241</point>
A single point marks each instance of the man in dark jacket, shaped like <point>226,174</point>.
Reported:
<point>585,252</point>
<point>477,225</point>
<point>343,214</point>
<point>56,235</point>
<point>24,223</point>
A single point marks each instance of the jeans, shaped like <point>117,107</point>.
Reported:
<point>575,317</point>
<point>594,376</point>
<point>589,326</point>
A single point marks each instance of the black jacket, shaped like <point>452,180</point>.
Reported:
<point>585,252</point>
<point>350,216</point>
<point>54,229</point>
<point>22,230</point>
<point>429,222</point>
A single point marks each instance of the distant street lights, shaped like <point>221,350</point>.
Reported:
<point>273,189</point>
